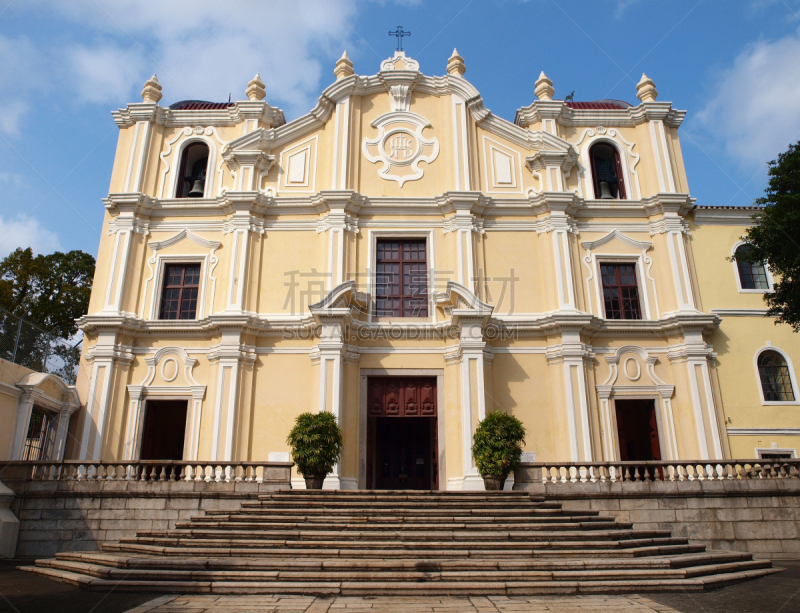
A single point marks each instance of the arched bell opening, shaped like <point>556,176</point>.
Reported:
<point>607,172</point>
<point>193,170</point>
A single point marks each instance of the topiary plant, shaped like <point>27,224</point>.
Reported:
<point>316,442</point>
<point>497,444</point>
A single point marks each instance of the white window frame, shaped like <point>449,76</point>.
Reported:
<point>161,267</point>
<point>770,280</point>
<point>760,450</point>
<point>792,378</point>
<point>637,261</point>
<point>374,235</point>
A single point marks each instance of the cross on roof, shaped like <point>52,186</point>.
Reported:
<point>399,33</point>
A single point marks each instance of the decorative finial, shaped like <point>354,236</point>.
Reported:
<point>255,88</point>
<point>344,67</point>
<point>152,90</point>
<point>455,65</point>
<point>646,90</point>
<point>544,88</point>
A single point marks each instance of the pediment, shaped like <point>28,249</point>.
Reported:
<point>616,235</point>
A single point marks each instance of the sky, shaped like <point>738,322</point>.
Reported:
<point>64,66</point>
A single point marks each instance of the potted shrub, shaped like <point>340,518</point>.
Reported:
<point>497,448</point>
<point>316,442</point>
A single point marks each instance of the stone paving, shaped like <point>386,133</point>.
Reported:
<point>401,604</point>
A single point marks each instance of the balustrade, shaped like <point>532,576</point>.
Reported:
<point>148,471</point>
<point>622,472</point>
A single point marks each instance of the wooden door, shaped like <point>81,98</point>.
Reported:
<point>401,433</point>
<point>638,430</point>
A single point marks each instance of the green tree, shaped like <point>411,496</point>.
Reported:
<point>50,292</point>
<point>775,237</point>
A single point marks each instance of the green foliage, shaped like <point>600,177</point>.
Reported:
<point>497,444</point>
<point>776,236</point>
<point>51,291</point>
<point>316,442</point>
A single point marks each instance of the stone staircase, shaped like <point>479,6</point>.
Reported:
<point>402,543</point>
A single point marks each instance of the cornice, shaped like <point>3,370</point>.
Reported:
<point>617,118</point>
<point>230,116</point>
<point>742,216</point>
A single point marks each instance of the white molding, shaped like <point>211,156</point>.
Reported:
<point>492,186</point>
<point>311,145</point>
<point>764,431</point>
<point>733,216</point>
<point>740,312</point>
<point>761,450</point>
<point>792,378</point>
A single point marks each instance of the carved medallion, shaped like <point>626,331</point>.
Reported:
<point>400,146</point>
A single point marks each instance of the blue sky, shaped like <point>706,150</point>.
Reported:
<point>65,65</point>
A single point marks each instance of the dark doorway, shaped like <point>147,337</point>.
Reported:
<point>402,433</point>
<point>638,430</point>
<point>164,430</point>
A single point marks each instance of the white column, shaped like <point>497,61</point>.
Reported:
<point>471,347</point>
<point>680,270</point>
<point>330,348</point>
<point>24,410</point>
<point>61,435</point>
<point>135,407</point>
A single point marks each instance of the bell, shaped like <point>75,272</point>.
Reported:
<point>605,191</point>
<point>197,189</point>
<point>197,179</point>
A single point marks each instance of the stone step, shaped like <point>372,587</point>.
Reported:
<point>229,516</point>
<point>178,573</point>
<point>367,533</point>
<point>415,550</point>
<point>248,508</point>
<point>116,560</point>
<point>327,495</point>
<point>409,588</point>
<point>402,504</point>
<point>374,525</point>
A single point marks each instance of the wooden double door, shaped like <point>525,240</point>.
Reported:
<point>402,433</point>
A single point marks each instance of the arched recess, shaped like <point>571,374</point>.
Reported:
<point>35,393</point>
<point>638,387</point>
<point>628,161</point>
<point>171,159</point>
<point>169,376</point>
<point>737,273</point>
<point>792,377</point>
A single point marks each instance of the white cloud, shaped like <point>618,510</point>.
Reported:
<point>26,232</point>
<point>20,63</point>
<point>755,110</point>
<point>202,49</point>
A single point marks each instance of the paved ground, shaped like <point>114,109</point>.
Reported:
<point>27,593</point>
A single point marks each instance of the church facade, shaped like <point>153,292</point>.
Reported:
<point>409,261</point>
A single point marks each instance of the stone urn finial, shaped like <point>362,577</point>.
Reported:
<point>544,88</point>
<point>255,88</point>
<point>344,67</point>
<point>646,90</point>
<point>152,90</point>
<point>456,65</point>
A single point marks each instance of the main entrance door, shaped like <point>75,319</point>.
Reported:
<point>164,430</point>
<point>401,433</point>
<point>638,430</point>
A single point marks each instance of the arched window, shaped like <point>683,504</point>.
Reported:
<point>751,276</point>
<point>776,381</point>
<point>192,177</point>
<point>606,172</point>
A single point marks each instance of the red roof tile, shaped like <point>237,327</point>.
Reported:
<point>199,105</point>
<point>598,105</point>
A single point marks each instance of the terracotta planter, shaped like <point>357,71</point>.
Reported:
<point>493,482</point>
<point>314,482</point>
